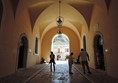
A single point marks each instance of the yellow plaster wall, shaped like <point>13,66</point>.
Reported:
<point>7,46</point>
<point>11,29</point>
<point>107,26</point>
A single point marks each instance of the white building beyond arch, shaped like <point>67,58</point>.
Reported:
<point>60,46</point>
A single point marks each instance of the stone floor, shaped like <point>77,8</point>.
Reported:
<point>41,74</point>
<point>60,75</point>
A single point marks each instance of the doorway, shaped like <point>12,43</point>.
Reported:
<point>98,52</point>
<point>22,58</point>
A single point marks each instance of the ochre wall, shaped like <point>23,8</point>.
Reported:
<point>107,26</point>
<point>111,41</point>
<point>12,26</point>
<point>7,49</point>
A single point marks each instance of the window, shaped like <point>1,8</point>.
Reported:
<point>36,45</point>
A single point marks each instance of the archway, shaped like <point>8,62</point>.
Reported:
<point>22,58</point>
<point>60,46</point>
<point>98,52</point>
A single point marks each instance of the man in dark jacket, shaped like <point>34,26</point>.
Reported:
<point>52,61</point>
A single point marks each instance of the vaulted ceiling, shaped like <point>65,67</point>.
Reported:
<point>43,13</point>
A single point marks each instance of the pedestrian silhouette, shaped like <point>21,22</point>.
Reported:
<point>42,60</point>
<point>70,62</point>
<point>84,60</point>
<point>52,61</point>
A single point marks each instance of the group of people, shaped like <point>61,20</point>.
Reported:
<point>84,61</point>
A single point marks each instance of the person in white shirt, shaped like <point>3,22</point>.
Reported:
<point>70,62</point>
<point>84,60</point>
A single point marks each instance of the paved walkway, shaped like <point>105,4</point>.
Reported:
<point>61,75</point>
<point>23,75</point>
<point>97,76</point>
<point>41,74</point>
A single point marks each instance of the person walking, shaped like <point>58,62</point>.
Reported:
<point>84,60</point>
<point>70,62</point>
<point>52,61</point>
